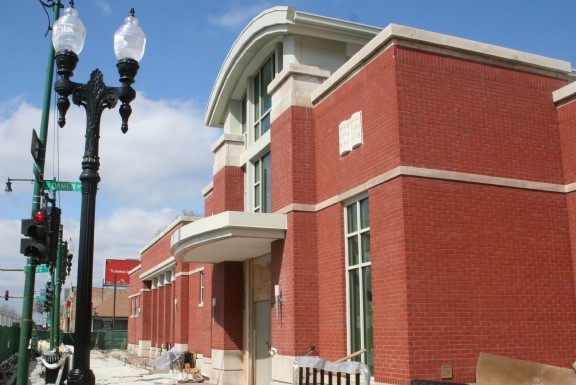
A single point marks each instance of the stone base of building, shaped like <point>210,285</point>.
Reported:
<point>141,350</point>
<point>226,368</point>
<point>282,369</point>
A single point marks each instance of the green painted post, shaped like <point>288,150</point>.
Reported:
<point>30,268</point>
<point>57,282</point>
<point>49,319</point>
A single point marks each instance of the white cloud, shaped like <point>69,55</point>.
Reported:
<point>148,176</point>
<point>164,159</point>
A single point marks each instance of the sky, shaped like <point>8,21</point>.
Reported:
<point>157,170</point>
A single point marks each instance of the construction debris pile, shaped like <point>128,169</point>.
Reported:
<point>8,369</point>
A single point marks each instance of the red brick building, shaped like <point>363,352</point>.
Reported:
<point>397,190</point>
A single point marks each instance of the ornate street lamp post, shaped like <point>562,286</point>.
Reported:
<point>68,38</point>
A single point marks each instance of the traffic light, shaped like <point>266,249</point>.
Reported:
<point>53,225</point>
<point>65,263</point>
<point>6,295</point>
<point>69,257</point>
<point>49,296</point>
<point>36,230</point>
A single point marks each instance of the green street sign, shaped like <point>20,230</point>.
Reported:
<point>41,269</point>
<point>40,298</point>
<point>55,185</point>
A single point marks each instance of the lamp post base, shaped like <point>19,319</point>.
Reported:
<point>81,377</point>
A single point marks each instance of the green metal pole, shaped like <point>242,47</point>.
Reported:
<point>51,311</point>
<point>57,287</point>
<point>30,268</point>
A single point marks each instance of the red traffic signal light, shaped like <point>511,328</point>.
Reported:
<point>6,295</point>
<point>39,216</point>
<point>36,231</point>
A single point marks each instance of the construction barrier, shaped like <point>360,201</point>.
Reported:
<point>9,339</point>
<point>105,340</point>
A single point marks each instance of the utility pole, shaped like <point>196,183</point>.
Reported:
<point>57,282</point>
<point>30,268</point>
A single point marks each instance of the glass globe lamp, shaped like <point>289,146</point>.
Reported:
<point>130,40</point>
<point>68,32</point>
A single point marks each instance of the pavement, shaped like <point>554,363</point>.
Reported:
<point>116,367</point>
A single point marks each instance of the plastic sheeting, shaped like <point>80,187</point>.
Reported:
<point>170,360</point>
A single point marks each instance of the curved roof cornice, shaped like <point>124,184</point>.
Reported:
<point>265,29</point>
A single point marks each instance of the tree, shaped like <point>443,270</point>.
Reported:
<point>9,311</point>
<point>39,307</point>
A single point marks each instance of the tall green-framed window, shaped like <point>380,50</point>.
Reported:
<point>261,186</point>
<point>263,100</point>
<point>359,280</point>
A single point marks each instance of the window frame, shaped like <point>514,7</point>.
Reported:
<point>201,288</point>
<point>358,268</point>
<point>261,188</point>
<point>255,122</point>
<point>262,100</point>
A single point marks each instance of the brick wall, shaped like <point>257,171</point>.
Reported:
<point>389,285</point>
<point>145,317</point>
<point>134,325</point>
<point>488,269</point>
<point>567,123</point>
<point>199,327</point>
<point>228,289</point>
<point>183,308</point>
<point>134,331</point>
<point>208,204</point>
<point>458,268</point>
<point>372,91</point>
<point>331,283</point>
<point>293,159</point>
<point>482,119</point>
<point>294,267</point>
<point>155,314</point>
<point>157,253</point>
<point>228,194</point>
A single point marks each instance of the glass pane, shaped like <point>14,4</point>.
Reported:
<point>244,114</point>
<point>257,97</point>
<point>365,247</point>
<point>368,321</point>
<point>353,251</point>
<point>266,199</point>
<point>267,75</point>
<point>256,131</point>
<point>257,196</point>
<point>364,214</point>
<point>265,124</point>
<point>355,324</point>
<point>257,172</point>
<point>351,218</point>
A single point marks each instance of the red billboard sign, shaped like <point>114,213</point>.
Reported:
<point>116,271</point>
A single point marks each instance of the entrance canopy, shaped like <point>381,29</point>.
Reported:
<point>228,236</point>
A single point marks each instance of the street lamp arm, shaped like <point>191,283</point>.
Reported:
<point>94,96</point>
<point>10,180</point>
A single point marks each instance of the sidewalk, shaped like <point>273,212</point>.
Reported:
<point>113,367</point>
